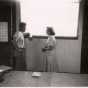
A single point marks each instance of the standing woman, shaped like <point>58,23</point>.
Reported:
<point>49,52</point>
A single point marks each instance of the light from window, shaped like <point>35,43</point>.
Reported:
<point>62,15</point>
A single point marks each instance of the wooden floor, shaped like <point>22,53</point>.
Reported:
<point>24,79</point>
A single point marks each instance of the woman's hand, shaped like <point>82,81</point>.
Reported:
<point>43,49</point>
<point>47,48</point>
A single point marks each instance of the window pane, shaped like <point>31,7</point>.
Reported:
<point>3,31</point>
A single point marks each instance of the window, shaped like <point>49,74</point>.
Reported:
<point>3,31</point>
<point>62,15</point>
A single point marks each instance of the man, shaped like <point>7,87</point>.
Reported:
<point>18,43</point>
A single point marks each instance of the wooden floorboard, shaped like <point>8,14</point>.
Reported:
<point>25,79</point>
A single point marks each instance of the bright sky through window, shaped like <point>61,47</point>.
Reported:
<point>62,15</point>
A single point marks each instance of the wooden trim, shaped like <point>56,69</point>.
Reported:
<point>56,37</point>
<point>45,37</point>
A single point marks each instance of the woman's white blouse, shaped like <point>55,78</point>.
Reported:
<point>51,41</point>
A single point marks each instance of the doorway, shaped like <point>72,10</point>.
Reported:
<point>6,31</point>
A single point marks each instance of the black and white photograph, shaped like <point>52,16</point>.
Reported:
<point>43,43</point>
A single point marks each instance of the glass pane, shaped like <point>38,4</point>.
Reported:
<point>3,31</point>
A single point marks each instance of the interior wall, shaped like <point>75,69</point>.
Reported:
<point>68,51</point>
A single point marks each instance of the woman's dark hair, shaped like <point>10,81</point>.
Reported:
<point>50,31</point>
<point>22,26</point>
